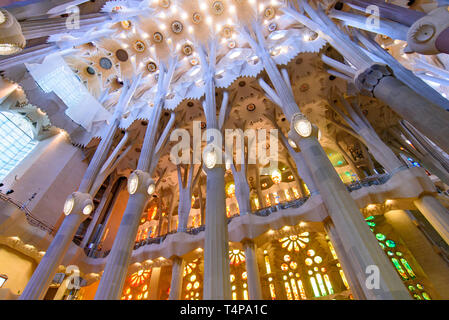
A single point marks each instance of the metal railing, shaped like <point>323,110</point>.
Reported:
<point>32,220</point>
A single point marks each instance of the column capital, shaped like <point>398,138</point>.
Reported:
<point>141,182</point>
<point>367,79</point>
<point>79,203</point>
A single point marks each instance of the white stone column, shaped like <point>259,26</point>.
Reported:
<point>435,213</point>
<point>176,278</point>
<point>360,244</point>
<point>44,273</point>
<point>216,282</point>
<point>252,270</point>
<point>345,262</point>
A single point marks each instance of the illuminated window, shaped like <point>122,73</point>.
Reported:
<point>192,281</point>
<point>16,142</point>
<point>295,242</point>
<point>267,199</point>
<point>239,276</point>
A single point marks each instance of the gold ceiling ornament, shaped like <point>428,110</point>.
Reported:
<point>151,67</point>
<point>218,8</point>
<point>126,24</point>
<point>196,17</point>
<point>231,44</point>
<point>227,32</point>
<point>158,37</point>
<point>164,3</point>
<point>194,61</point>
<point>139,46</point>
<point>177,27</point>
<point>269,13</point>
<point>187,49</point>
<point>11,37</point>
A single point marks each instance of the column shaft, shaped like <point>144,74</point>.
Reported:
<point>45,271</point>
<point>425,116</point>
<point>435,213</point>
<point>252,271</point>
<point>176,278</point>
<point>216,246</point>
<point>358,241</point>
<point>346,263</point>
<point>111,284</point>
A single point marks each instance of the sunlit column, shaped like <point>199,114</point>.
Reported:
<point>252,270</point>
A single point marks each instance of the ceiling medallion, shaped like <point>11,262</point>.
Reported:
<point>139,46</point>
<point>121,55</point>
<point>105,63</point>
<point>226,32</point>
<point>187,49</point>
<point>218,7</point>
<point>176,27</point>
<point>196,17</point>
<point>90,71</point>
<point>126,24</point>
<point>272,27</point>
<point>251,107</point>
<point>164,3</point>
<point>158,37</point>
<point>304,87</point>
<point>231,44</point>
<point>269,13</point>
<point>194,61</point>
<point>151,67</point>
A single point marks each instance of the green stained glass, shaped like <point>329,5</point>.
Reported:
<point>417,296</point>
<point>371,224</point>
<point>380,237</point>
<point>411,288</point>
<point>370,218</point>
<point>382,245</point>
<point>408,268</point>
<point>390,253</point>
<point>390,243</point>
<point>426,296</point>
<point>399,254</point>
<point>419,286</point>
<point>398,267</point>
<point>372,230</point>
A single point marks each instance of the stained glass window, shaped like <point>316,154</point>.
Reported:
<point>16,143</point>
<point>192,280</point>
<point>398,260</point>
<point>239,285</point>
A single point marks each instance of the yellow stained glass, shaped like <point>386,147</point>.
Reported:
<point>245,294</point>
<point>316,292</point>
<point>288,291</point>
<point>272,292</point>
<point>343,278</point>
<point>328,284</point>
<point>302,291</point>
<point>321,284</point>
<point>267,264</point>
<point>234,296</point>
<point>295,289</point>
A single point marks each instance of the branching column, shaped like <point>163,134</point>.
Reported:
<point>216,246</point>
<point>78,206</point>
<point>140,186</point>
<point>360,244</point>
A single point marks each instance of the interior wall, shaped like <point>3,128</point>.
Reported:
<point>115,218</point>
<point>53,170</point>
<point>18,267</point>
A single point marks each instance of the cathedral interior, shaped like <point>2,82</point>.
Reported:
<point>224,150</point>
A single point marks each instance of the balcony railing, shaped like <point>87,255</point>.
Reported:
<point>32,220</point>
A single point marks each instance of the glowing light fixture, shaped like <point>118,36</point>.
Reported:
<point>68,205</point>
<point>210,158</point>
<point>133,183</point>
<point>151,188</point>
<point>302,126</point>
<point>88,209</point>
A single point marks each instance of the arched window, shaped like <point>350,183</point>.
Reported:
<point>16,141</point>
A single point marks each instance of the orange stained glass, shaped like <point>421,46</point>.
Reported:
<point>228,212</point>
<point>288,291</point>
<point>295,192</point>
<point>302,291</point>
<point>244,275</point>
<point>272,291</point>
<point>267,264</point>
<point>236,256</point>
<point>152,213</point>
<point>287,195</point>
<point>139,277</point>
<point>294,288</point>
<point>267,200</point>
<point>295,242</point>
